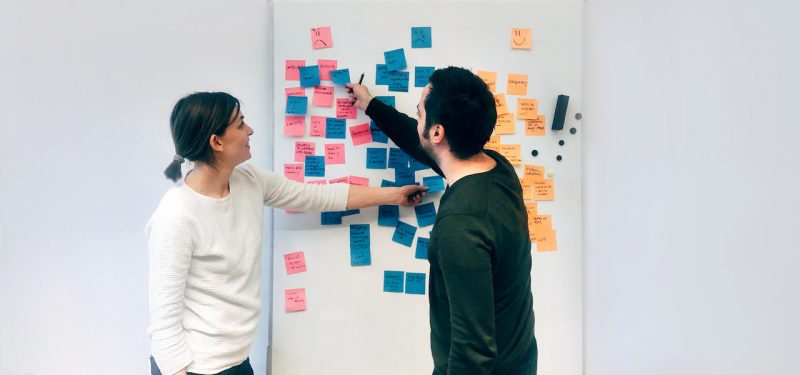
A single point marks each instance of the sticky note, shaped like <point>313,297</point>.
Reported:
<point>512,152</point>
<point>398,81</point>
<point>421,37</point>
<point>323,96</point>
<point>381,74</point>
<point>527,108</point>
<point>387,99</point>
<point>543,190</point>
<point>315,166</point>
<point>434,183</point>
<point>295,299</point>
<point>527,189</point>
<point>309,76</point>
<point>356,180</point>
<point>317,126</point>
<point>535,126</point>
<point>294,172</point>
<point>422,74</point>
<point>334,128</point>
<point>540,223</point>
<point>395,59</point>
<point>546,241</point>
<point>388,215</point>
<point>490,78</point>
<point>295,91</point>
<point>334,153</point>
<point>387,183</point>
<point>403,176</point>
<point>500,103</point>
<point>533,172</point>
<point>521,38</point>
<point>532,209</point>
<point>415,283</point>
<point>404,233</point>
<point>416,165</point>
<point>321,37</point>
<point>517,84</point>
<point>317,182</point>
<point>393,281</point>
<point>294,126</point>
<point>296,105</point>
<point>341,76</point>
<point>295,262</point>
<point>301,149</point>
<point>359,245</point>
<point>360,134</point>
<point>426,214</point>
<point>504,124</point>
<point>345,109</point>
<point>340,180</point>
<point>376,158</point>
<point>494,141</point>
<point>325,68</point>
<point>377,134</point>
<point>422,248</point>
<point>398,158</point>
<point>351,212</point>
<point>293,69</point>
<point>331,218</point>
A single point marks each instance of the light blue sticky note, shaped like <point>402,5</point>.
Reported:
<point>393,281</point>
<point>398,158</point>
<point>434,183</point>
<point>426,214</point>
<point>377,134</point>
<point>381,74</point>
<point>309,76</point>
<point>331,218</point>
<point>404,233</point>
<point>387,183</point>
<point>416,165</point>
<point>403,176</point>
<point>341,76</point>
<point>422,74</point>
<point>387,99</point>
<point>388,215</point>
<point>315,166</point>
<point>359,245</point>
<point>376,158</point>
<point>422,248</point>
<point>296,105</point>
<point>421,37</point>
<point>335,128</point>
<point>395,59</point>
<point>415,283</point>
<point>398,81</point>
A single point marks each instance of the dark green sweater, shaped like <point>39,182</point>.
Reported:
<point>481,307</point>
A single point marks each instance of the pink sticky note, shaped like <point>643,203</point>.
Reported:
<point>325,67</point>
<point>294,172</point>
<point>334,153</point>
<point>345,109</point>
<point>301,149</point>
<point>323,96</point>
<point>317,182</point>
<point>294,126</point>
<point>317,126</point>
<point>360,181</point>
<point>360,134</point>
<point>321,37</point>
<point>340,180</point>
<point>293,69</point>
<point>295,262</point>
<point>295,91</point>
<point>295,299</point>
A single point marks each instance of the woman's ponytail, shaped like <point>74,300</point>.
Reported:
<point>173,171</point>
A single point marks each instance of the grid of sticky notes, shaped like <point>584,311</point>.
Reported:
<point>537,187</point>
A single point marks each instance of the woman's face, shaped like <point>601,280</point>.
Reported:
<point>236,140</point>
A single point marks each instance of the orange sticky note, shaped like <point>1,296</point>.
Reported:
<point>512,153</point>
<point>546,241</point>
<point>532,208</point>
<point>295,262</point>
<point>325,67</point>
<point>360,134</point>
<point>301,149</point>
<point>533,172</point>
<point>517,84</point>
<point>317,126</point>
<point>527,108</point>
<point>505,124</point>
<point>334,153</point>
<point>500,103</point>
<point>295,91</point>
<point>527,189</point>
<point>535,126</point>
<point>294,126</point>
<point>345,109</point>
<point>543,190</point>
<point>321,37</point>
<point>521,38</point>
<point>293,69</point>
<point>295,299</point>
<point>323,96</point>
<point>294,172</point>
<point>540,223</point>
<point>493,143</point>
<point>490,78</point>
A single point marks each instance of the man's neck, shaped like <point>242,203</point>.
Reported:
<point>212,182</point>
<point>455,169</point>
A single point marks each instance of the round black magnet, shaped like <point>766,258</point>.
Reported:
<point>561,142</point>
<point>578,116</point>
<point>573,131</point>
<point>534,153</point>
<point>558,157</point>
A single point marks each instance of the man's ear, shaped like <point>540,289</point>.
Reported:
<point>216,143</point>
<point>436,133</point>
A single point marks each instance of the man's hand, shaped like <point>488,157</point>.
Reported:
<point>359,95</point>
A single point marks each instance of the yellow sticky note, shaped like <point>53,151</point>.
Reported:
<point>527,108</point>
<point>505,124</point>
<point>512,153</point>
<point>543,190</point>
<point>500,103</point>
<point>546,241</point>
<point>490,78</point>
<point>517,84</point>
<point>535,126</point>
<point>533,173</point>
<point>521,38</point>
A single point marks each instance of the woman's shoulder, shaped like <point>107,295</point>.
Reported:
<point>248,173</point>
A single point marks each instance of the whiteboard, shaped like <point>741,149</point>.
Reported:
<point>350,325</point>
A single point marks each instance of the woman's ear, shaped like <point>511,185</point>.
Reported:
<point>216,143</point>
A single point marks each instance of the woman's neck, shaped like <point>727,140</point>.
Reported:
<point>210,181</point>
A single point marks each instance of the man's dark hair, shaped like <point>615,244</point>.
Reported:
<point>462,103</point>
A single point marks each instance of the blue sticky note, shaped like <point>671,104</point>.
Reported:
<point>309,76</point>
<point>350,212</point>
<point>403,176</point>
<point>395,59</point>
<point>331,218</point>
<point>376,158</point>
<point>388,215</point>
<point>359,245</point>
<point>398,81</point>
<point>381,74</point>
<point>421,37</point>
<point>377,134</point>
<point>415,283</point>
<point>398,158</point>
<point>387,183</point>
<point>387,99</point>
<point>335,128</point>
<point>422,248</point>
<point>315,166</point>
<point>422,74</point>
<point>434,183</point>
<point>426,214</point>
<point>404,233</point>
<point>416,165</point>
<point>341,76</point>
<point>393,281</point>
<point>296,104</point>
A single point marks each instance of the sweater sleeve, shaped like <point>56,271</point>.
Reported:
<point>170,248</point>
<point>281,192</point>
<point>464,255</point>
<point>402,130</point>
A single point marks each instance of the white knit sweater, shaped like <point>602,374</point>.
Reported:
<point>205,262</point>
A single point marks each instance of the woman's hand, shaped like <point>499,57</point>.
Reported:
<point>410,195</point>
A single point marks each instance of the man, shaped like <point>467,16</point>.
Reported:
<point>481,307</point>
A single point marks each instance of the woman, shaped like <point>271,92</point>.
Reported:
<point>205,238</point>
